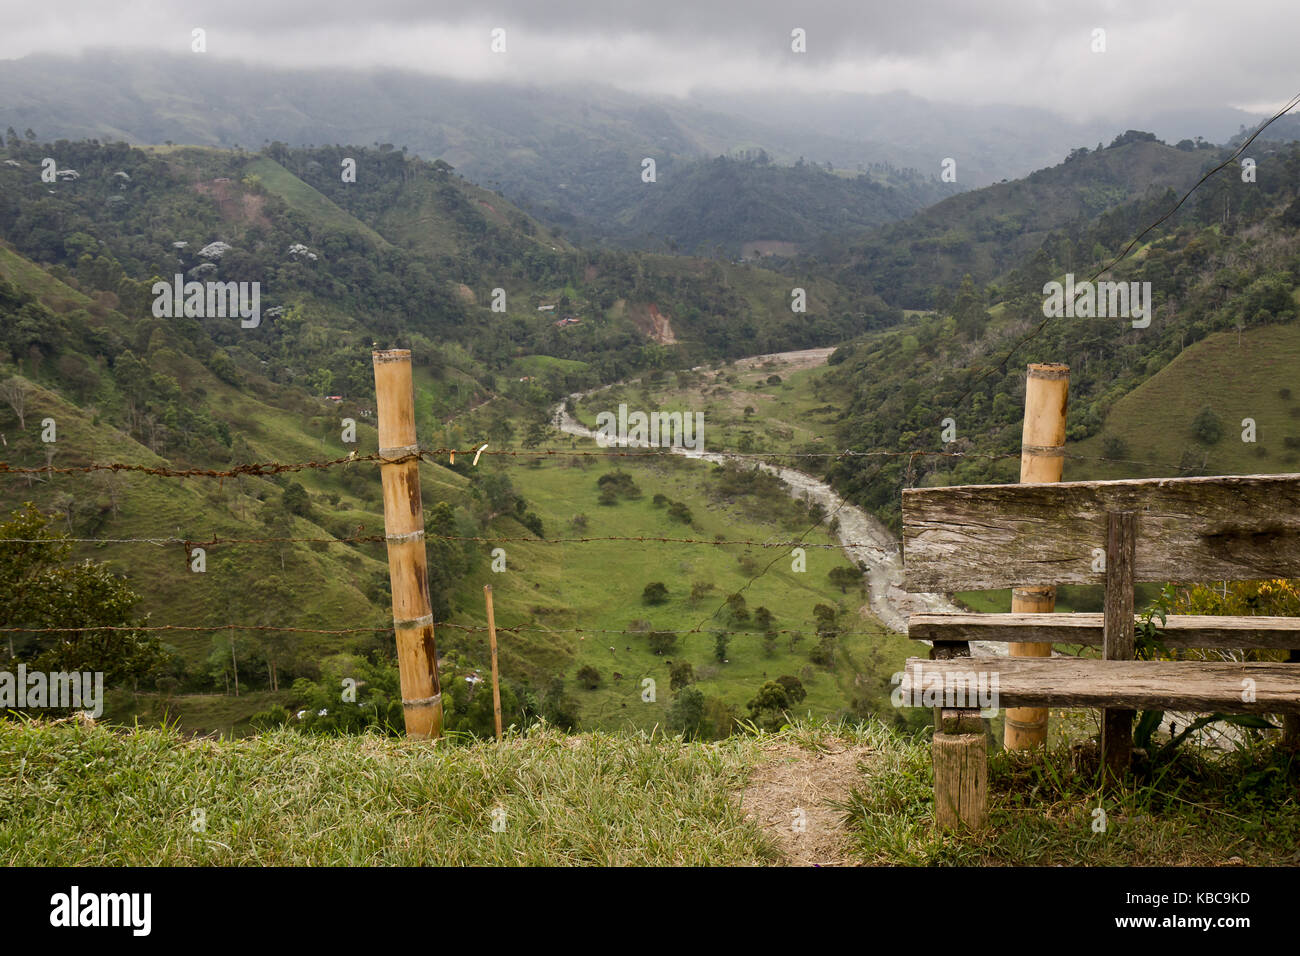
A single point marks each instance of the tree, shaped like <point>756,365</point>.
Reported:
<point>680,675</point>
<point>1206,426</point>
<point>37,589</point>
<point>588,677</point>
<point>793,687</point>
<point>661,642</point>
<point>655,592</point>
<point>16,391</point>
<point>736,606</point>
<point>767,708</point>
<point>296,501</point>
<point>686,713</point>
<point>720,643</point>
<point>845,578</point>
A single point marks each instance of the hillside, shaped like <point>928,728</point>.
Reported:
<point>1214,278</point>
<point>988,232</point>
<point>752,207</point>
<point>409,257</point>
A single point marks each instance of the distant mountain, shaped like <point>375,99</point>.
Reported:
<point>754,208</point>
<point>987,232</point>
<point>572,155</point>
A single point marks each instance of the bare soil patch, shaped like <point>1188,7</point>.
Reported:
<point>790,794</point>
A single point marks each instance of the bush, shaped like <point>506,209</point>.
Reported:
<point>680,512</point>
<point>1112,446</point>
<point>1206,427</point>
<point>618,484</point>
<point>655,593</point>
<point>588,677</point>
<point>680,675</point>
<point>661,642</point>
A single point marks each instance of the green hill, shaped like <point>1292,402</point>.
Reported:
<point>985,233</point>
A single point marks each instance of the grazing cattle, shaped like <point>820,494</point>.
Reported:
<point>617,676</point>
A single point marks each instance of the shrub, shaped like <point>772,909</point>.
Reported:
<point>1206,427</point>
<point>661,642</point>
<point>680,512</point>
<point>655,592</point>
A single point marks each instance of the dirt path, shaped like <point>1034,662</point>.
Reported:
<point>790,796</point>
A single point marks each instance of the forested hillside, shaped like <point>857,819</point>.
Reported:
<point>997,232</point>
<point>1223,273</point>
<point>408,255</point>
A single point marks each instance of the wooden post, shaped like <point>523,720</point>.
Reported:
<point>1042,457</point>
<point>959,751</point>
<point>417,654</point>
<point>1118,638</point>
<point>492,638</point>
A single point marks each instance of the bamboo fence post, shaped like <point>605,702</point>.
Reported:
<point>1042,457</point>
<point>492,639</point>
<point>417,653</point>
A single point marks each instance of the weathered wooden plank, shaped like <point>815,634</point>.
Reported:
<point>1201,686</point>
<point>1117,635</point>
<point>980,537</point>
<point>1178,631</point>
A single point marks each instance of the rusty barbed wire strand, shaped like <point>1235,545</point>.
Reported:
<point>266,469</point>
<point>472,628</point>
<point>379,539</point>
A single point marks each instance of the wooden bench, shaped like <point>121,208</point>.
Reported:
<point>1114,533</point>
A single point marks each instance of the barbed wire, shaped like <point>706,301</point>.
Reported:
<point>471,628</point>
<point>268,468</point>
<point>481,539</point>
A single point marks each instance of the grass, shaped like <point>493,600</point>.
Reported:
<point>785,417</point>
<point>571,585</point>
<point>82,795</point>
<point>97,797</point>
<point>308,201</point>
<point>1155,419</point>
<point>1199,810</point>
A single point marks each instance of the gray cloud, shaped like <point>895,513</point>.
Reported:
<point>1160,55</point>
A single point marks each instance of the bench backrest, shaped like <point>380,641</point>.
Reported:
<point>982,537</point>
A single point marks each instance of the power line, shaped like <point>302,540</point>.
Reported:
<point>1002,365</point>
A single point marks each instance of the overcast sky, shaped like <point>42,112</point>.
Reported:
<point>1160,54</point>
